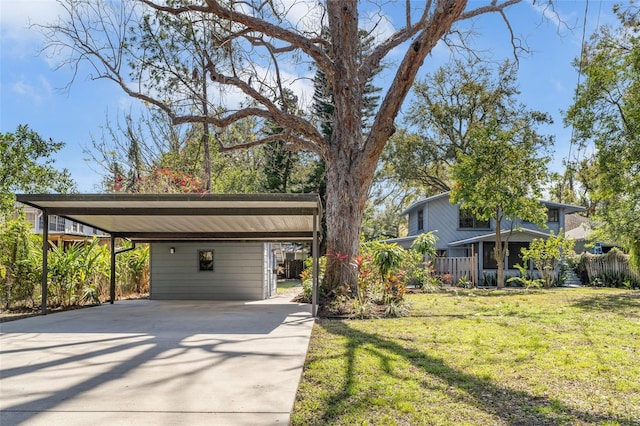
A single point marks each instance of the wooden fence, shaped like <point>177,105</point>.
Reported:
<point>613,262</point>
<point>458,267</point>
<point>290,269</point>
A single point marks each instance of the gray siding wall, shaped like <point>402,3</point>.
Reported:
<point>441,216</point>
<point>238,271</point>
<point>444,217</point>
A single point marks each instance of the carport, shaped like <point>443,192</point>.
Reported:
<point>186,217</point>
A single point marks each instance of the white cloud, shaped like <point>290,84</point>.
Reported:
<point>306,15</point>
<point>36,91</point>
<point>17,15</point>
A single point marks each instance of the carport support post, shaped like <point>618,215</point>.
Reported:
<point>112,283</point>
<point>314,254</point>
<point>45,259</point>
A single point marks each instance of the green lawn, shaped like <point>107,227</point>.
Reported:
<point>287,285</point>
<point>567,356</point>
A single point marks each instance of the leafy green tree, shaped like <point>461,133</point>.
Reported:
<point>578,185</point>
<point>606,112</point>
<point>251,55</point>
<point>546,253</point>
<point>382,220</point>
<point>501,178</point>
<point>425,244</point>
<point>26,165</point>
<point>20,261</point>
<point>448,106</point>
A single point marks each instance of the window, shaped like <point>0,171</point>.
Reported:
<point>553,215</point>
<point>469,221</point>
<point>420,220</point>
<point>515,256</point>
<point>205,260</point>
<point>489,256</point>
<point>77,227</point>
<point>56,223</point>
<point>31,217</point>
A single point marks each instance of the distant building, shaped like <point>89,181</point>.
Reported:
<point>584,241</point>
<point>61,230</point>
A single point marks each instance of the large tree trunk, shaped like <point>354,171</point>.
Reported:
<point>346,200</point>
<point>348,177</point>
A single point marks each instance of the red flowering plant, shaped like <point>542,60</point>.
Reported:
<point>366,280</point>
<point>342,260</point>
<point>167,180</point>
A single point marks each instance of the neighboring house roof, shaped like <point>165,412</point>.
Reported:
<point>579,233</point>
<point>574,220</point>
<point>568,208</point>
<point>492,235</point>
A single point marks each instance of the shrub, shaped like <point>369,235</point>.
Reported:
<point>489,279</point>
<point>545,254</point>
<point>465,282</point>
<point>307,277</point>
<point>525,279</point>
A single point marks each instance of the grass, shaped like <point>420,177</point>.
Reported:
<point>553,357</point>
<point>286,285</point>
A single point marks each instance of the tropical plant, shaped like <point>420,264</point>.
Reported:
<point>386,257</point>
<point>546,253</point>
<point>19,262</point>
<point>425,244</point>
<point>465,282</point>
<point>525,278</point>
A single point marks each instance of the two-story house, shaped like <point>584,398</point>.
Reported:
<point>460,234</point>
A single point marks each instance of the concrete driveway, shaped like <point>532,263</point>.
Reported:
<point>145,362</point>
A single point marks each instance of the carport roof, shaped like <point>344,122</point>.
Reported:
<point>153,217</point>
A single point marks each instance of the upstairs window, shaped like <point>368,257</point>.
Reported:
<point>553,215</point>
<point>420,220</point>
<point>469,221</point>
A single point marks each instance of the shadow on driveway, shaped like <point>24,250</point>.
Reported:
<point>155,362</point>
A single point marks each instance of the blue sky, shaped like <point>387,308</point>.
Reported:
<point>30,87</point>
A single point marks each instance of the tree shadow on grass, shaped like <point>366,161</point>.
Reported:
<point>508,406</point>
<point>627,303</point>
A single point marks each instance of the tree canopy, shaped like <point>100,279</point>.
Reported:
<point>447,106</point>
<point>501,178</point>
<point>26,164</point>
<point>606,112</point>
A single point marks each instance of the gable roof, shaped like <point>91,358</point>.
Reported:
<point>152,217</point>
<point>424,201</point>
<point>569,208</point>
<point>492,236</point>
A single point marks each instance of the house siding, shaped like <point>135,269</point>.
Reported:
<point>239,272</point>
<point>443,219</point>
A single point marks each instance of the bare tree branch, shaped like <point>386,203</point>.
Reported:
<point>257,25</point>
